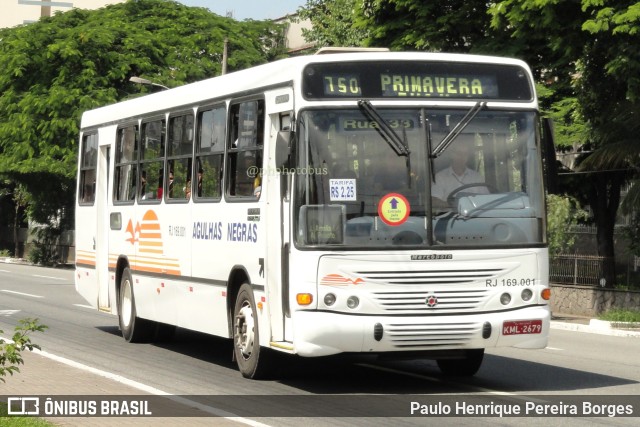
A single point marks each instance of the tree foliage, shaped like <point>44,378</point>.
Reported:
<point>448,25</point>
<point>584,54</point>
<point>54,69</point>
<point>333,23</point>
<point>11,351</point>
<point>596,47</point>
<point>563,212</point>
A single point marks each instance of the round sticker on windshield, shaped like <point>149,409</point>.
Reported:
<point>393,209</point>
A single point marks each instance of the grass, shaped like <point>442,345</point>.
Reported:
<point>620,315</point>
<point>17,421</point>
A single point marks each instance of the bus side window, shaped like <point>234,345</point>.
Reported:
<point>88,166</point>
<point>125,177</point>
<point>179,152</point>
<point>210,153</point>
<point>245,149</point>
<point>152,160</point>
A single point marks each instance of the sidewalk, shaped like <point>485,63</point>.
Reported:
<point>43,375</point>
<point>593,326</point>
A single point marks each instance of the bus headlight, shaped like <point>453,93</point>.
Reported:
<point>526,294</point>
<point>353,302</point>
<point>505,298</point>
<point>329,299</point>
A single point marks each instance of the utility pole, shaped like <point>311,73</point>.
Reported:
<point>225,52</point>
<point>45,10</point>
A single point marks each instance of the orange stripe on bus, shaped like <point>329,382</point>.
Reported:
<point>152,251</point>
<point>150,243</point>
<point>157,265</point>
<point>153,226</point>
<point>158,270</point>
<point>150,236</point>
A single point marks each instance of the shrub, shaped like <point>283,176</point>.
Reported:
<point>11,352</point>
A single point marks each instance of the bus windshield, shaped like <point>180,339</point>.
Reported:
<point>364,186</point>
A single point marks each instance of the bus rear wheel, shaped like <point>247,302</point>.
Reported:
<point>466,366</point>
<point>134,329</point>
<point>246,337</point>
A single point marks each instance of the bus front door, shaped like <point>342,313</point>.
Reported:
<point>102,222</point>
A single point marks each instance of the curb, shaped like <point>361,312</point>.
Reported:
<point>9,260</point>
<point>595,326</point>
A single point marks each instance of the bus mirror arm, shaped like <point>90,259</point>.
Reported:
<point>549,153</point>
<point>283,147</point>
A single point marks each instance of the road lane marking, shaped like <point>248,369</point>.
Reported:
<point>5,271</point>
<point>554,348</point>
<point>448,380</point>
<point>445,380</point>
<point>149,389</point>
<point>49,277</point>
<point>84,306</point>
<point>7,313</point>
<point>21,293</point>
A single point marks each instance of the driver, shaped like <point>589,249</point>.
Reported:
<point>456,175</point>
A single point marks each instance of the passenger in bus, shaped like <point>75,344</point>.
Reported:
<point>143,185</point>
<point>199,183</point>
<point>187,189</point>
<point>257,187</point>
<point>170,184</point>
<point>457,174</point>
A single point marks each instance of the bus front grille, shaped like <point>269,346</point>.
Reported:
<point>430,302</point>
<point>430,277</point>
<point>431,336</point>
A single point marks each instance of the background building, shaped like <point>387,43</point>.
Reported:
<point>17,12</point>
<point>295,42</point>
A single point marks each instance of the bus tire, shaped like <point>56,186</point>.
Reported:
<point>246,339</point>
<point>468,366</point>
<point>134,329</point>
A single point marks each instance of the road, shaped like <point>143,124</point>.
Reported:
<point>193,364</point>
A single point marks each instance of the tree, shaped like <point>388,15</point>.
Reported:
<point>584,54</point>
<point>54,69</point>
<point>449,25</point>
<point>596,44</point>
<point>332,23</point>
<point>563,212</point>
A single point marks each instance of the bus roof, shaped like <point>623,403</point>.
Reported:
<point>277,73</point>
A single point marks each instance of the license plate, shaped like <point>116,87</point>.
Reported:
<point>520,327</point>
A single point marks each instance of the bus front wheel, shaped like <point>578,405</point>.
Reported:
<point>134,329</point>
<point>246,338</point>
<point>466,366</point>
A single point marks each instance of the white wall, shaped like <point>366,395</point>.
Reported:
<point>16,12</point>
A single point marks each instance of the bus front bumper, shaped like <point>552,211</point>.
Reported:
<point>326,333</point>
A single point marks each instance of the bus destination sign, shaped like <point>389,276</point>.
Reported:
<point>401,79</point>
<point>414,85</point>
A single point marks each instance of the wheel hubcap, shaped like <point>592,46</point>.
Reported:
<point>245,330</point>
<point>127,303</point>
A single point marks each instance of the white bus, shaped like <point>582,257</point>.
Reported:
<point>318,205</point>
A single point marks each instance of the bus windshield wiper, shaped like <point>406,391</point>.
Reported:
<point>459,127</point>
<point>383,128</point>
